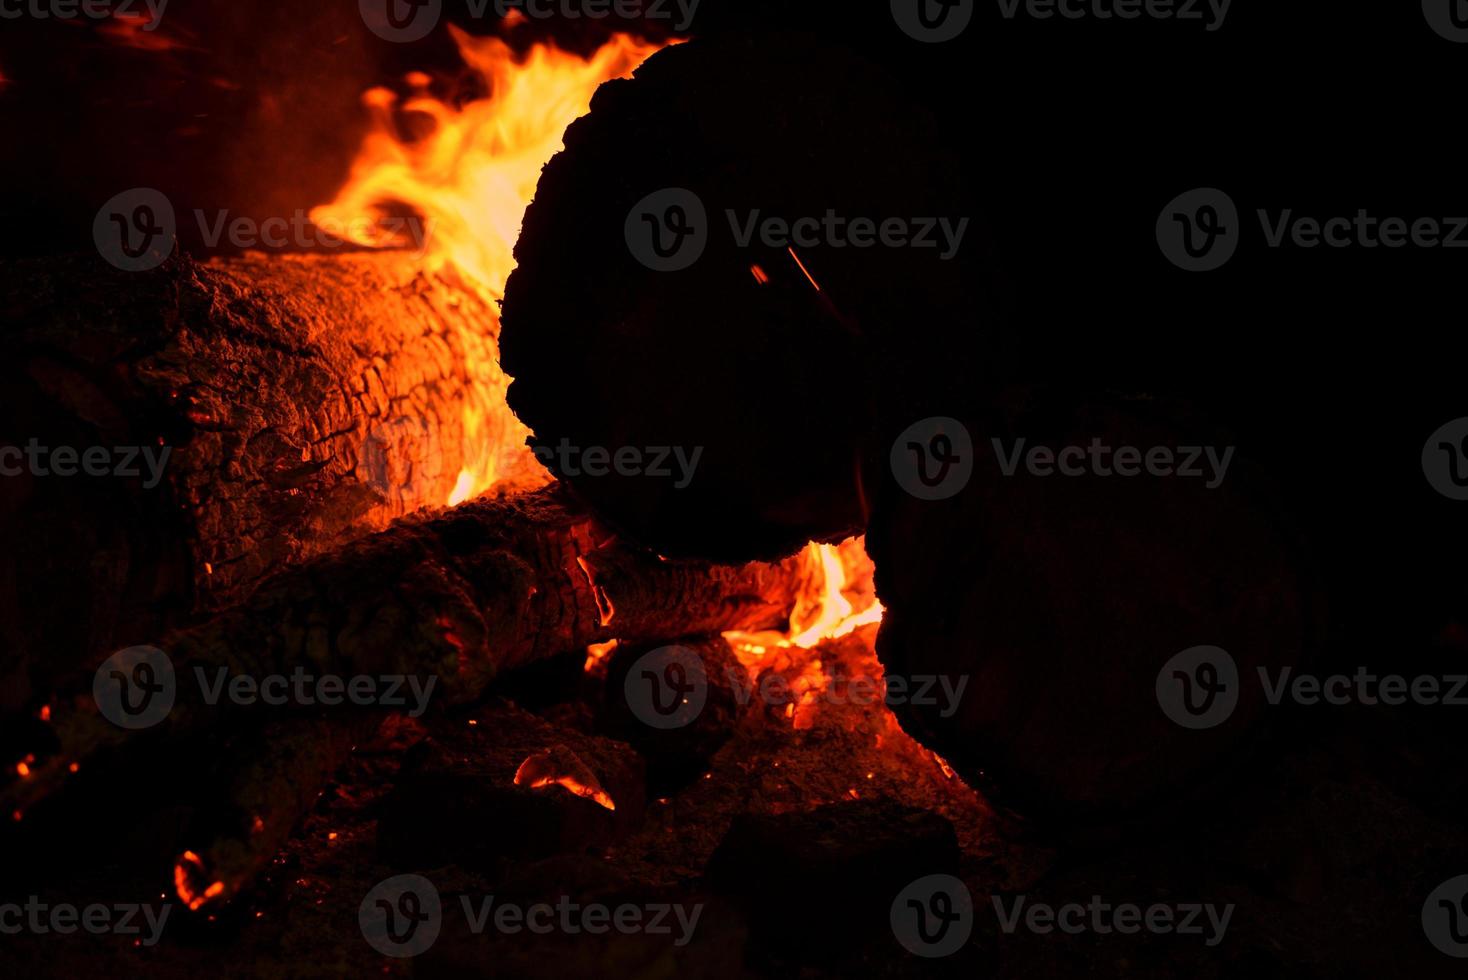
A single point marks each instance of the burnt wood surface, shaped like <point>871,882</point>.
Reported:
<point>304,401</point>
<point>459,596</point>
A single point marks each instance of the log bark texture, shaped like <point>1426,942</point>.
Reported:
<point>457,596</point>
<point>304,401</point>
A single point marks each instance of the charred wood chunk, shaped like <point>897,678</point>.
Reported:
<point>453,599</point>
<point>501,784</point>
<point>1109,628</point>
<point>676,703</point>
<point>829,874</point>
<point>760,361</point>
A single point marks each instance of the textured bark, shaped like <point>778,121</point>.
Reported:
<point>306,400</point>
<point>459,596</point>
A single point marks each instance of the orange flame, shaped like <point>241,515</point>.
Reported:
<point>838,600</point>
<point>470,180</point>
<point>833,605</point>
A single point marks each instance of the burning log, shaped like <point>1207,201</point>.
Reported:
<point>1061,600</point>
<point>254,413</point>
<point>765,359</point>
<point>458,596</point>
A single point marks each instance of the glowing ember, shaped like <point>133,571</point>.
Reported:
<point>604,605</point>
<point>470,179</point>
<point>562,767</point>
<point>186,873</point>
<point>597,654</point>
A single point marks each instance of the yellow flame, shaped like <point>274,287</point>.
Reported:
<point>469,180</point>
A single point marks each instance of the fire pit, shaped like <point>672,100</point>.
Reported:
<point>589,504</point>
